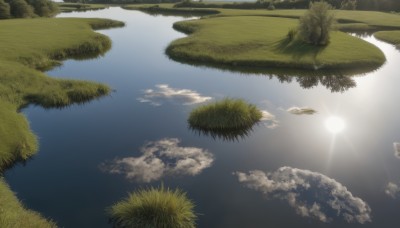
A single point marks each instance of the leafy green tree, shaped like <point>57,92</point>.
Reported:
<point>4,10</point>
<point>21,9</point>
<point>349,5</point>
<point>44,8</point>
<point>316,24</point>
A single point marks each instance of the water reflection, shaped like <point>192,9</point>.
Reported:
<point>225,135</point>
<point>301,110</point>
<point>268,120</point>
<point>161,158</point>
<point>334,80</point>
<point>335,124</point>
<point>392,190</point>
<point>166,93</point>
<point>396,147</point>
<point>311,194</point>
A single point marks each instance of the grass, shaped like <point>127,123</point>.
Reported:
<point>71,7</point>
<point>392,37</point>
<point>28,46</point>
<point>14,215</point>
<point>372,19</point>
<point>262,42</point>
<point>227,114</point>
<point>154,207</point>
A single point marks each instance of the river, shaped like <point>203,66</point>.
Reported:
<point>334,168</point>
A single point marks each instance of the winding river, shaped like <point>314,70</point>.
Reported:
<point>334,168</point>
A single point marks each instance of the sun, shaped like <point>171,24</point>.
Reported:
<point>335,124</point>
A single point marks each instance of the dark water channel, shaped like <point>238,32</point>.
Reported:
<point>335,168</point>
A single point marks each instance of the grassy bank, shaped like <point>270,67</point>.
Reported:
<point>392,37</point>
<point>14,215</point>
<point>262,42</point>
<point>27,46</point>
<point>71,7</point>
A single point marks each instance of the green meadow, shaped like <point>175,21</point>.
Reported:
<point>29,46</point>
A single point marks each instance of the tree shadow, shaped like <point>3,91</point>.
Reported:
<point>298,49</point>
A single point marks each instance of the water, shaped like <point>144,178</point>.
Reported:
<point>69,180</point>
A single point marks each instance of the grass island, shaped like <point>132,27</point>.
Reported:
<point>258,38</point>
<point>227,114</point>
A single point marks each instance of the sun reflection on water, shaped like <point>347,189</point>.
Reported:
<point>335,124</point>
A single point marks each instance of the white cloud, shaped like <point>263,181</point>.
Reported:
<point>166,93</point>
<point>396,147</point>
<point>311,194</point>
<point>392,190</point>
<point>269,119</point>
<point>160,158</point>
<point>301,110</point>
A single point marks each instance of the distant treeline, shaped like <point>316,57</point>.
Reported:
<point>378,5</point>
<point>27,8</point>
<point>122,1</point>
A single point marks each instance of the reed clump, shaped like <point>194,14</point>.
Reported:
<point>227,114</point>
<point>154,207</point>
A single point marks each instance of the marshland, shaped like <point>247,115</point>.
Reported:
<point>82,131</point>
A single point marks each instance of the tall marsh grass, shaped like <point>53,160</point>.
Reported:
<point>154,208</point>
<point>227,114</point>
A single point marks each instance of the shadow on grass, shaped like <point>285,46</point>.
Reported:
<point>298,49</point>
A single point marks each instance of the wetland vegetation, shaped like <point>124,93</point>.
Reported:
<point>154,207</point>
<point>22,83</point>
<point>225,115</point>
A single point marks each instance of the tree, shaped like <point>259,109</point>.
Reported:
<point>44,8</point>
<point>21,9</point>
<point>4,10</point>
<point>316,24</point>
<point>349,5</point>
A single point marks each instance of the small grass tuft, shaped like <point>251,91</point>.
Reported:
<point>227,114</point>
<point>154,207</point>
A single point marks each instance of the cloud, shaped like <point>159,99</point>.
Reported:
<point>166,93</point>
<point>301,110</point>
<point>392,190</point>
<point>269,119</point>
<point>311,194</point>
<point>396,147</point>
<point>161,158</point>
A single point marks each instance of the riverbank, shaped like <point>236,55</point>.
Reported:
<point>29,46</point>
<point>392,37</point>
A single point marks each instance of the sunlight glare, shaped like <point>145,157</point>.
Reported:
<point>335,124</point>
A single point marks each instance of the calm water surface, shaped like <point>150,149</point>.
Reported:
<point>310,173</point>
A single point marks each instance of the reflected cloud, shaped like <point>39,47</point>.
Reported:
<point>311,194</point>
<point>392,190</point>
<point>396,147</point>
<point>165,93</point>
<point>269,119</point>
<point>301,110</point>
<point>161,158</point>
